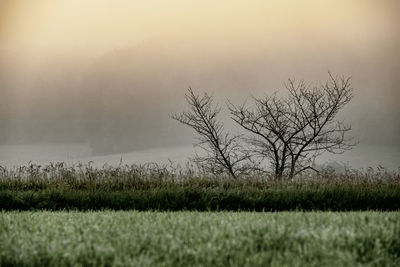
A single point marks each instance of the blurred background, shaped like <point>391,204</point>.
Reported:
<point>97,80</point>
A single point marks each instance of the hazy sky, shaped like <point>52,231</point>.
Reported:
<point>110,72</point>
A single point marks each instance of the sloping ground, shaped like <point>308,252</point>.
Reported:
<point>362,156</point>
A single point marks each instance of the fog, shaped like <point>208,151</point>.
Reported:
<point>104,76</point>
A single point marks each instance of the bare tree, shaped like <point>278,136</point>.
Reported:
<point>223,151</point>
<point>291,131</point>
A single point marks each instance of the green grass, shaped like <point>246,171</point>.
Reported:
<point>58,176</point>
<point>173,198</point>
<point>57,187</point>
<point>110,238</point>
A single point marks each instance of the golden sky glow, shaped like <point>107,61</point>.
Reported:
<point>101,25</point>
<point>151,50</point>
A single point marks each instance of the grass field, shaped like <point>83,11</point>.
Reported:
<point>57,187</point>
<point>177,198</point>
<point>110,238</point>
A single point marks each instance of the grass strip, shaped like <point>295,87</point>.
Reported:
<point>324,198</point>
<point>134,238</point>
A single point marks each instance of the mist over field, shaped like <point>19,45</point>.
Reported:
<point>81,81</point>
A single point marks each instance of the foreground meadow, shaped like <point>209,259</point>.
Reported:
<point>132,238</point>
